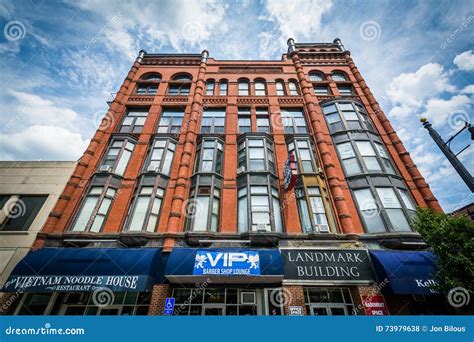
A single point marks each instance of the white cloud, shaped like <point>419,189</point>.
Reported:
<point>42,142</point>
<point>465,61</point>
<point>411,89</point>
<point>438,111</point>
<point>468,89</point>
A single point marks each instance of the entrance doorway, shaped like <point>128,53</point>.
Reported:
<point>329,309</point>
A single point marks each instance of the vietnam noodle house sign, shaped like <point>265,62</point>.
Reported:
<point>327,265</point>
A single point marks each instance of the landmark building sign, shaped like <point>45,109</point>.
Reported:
<point>327,266</point>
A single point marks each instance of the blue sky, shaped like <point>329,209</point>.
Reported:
<point>60,60</point>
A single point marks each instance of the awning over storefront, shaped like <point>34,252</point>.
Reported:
<point>87,269</point>
<point>406,272</point>
<point>224,265</point>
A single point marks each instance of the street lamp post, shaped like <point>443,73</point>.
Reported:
<point>452,157</point>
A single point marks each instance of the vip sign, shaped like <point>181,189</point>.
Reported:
<point>227,263</point>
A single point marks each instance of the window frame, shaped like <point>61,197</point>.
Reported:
<point>222,111</point>
<point>294,126</point>
<point>243,87</point>
<point>244,148</point>
<point>169,147</point>
<point>134,118</point>
<point>171,128</point>
<point>217,156</point>
<point>223,87</point>
<point>260,87</point>
<point>293,91</point>
<point>303,196</point>
<point>116,161</point>
<point>14,207</point>
<point>210,87</point>
<point>282,91</point>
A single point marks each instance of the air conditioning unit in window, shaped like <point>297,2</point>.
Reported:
<point>241,170</point>
<point>323,228</point>
<point>248,298</point>
<point>105,168</point>
<point>153,169</point>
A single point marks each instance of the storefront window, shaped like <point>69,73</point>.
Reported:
<point>328,301</point>
<point>227,301</point>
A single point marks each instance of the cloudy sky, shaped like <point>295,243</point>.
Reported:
<point>60,60</point>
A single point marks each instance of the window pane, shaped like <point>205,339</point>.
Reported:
<point>388,198</point>
<point>365,148</point>
<point>122,164</point>
<point>345,150</point>
<point>351,166</point>
<point>398,220</point>
<point>104,207</point>
<point>85,213</point>
<point>369,211</point>
<point>28,206</point>
<point>406,199</point>
<point>242,214</point>
<point>372,164</point>
<point>97,225</point>
<point>304,216</point>
<point>139,214</point>
<point>202,211</point>
<point>277,215</point>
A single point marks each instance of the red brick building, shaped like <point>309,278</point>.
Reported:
<point>196,158</point>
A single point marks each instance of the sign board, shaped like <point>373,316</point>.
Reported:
<point>169,306</point>
<point>82,283</point>
<point>289,172</point>
<point>295,311</point>
<point>374,305</point>
<point>226,263</point>
<point>327,265</point>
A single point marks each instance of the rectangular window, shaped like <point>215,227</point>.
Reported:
<point>369,211</point>
<point>179,89</point>
<point>244,117</point>
<point>293,121</point>
<point>345,90</point>
<point>385,158</point>
<point>293,88</point>
<point>143,89</point>
<point>223,88</point>
<point>213,120</point>
<point>393,208</point>
<point>263,122</point>
<point>161,156</point>
<point>368,155</point>
<point>94,209</point>
<point>243,88</point>
<point>321,90</point>
<point>145,210</point>
<point>210,88</point>
<point>260,89</point>
<point>134,121</point>
<point>117,157</point>
<point>171,121</point>
<point>348,157</point>
<point>19,211</point>
<point>280,88</point>
<point>318,210</point>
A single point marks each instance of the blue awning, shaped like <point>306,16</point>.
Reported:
<point>224,265</point>
<point>406,272</point>
<point>86,269</point>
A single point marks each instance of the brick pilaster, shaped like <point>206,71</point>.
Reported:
<point>293,296</point>
<point>158,298</point>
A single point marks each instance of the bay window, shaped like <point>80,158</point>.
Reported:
<point>256,154</point>
<point>95,205</point>
<point>161,156</point>
<point>118,156</point>
<point>304,153</point>
<point>146,204</point>
<point>314,209</point>
<point>349,159</point>
<point>209,156</point>
<point>203,206</point>
<point>259,204</point>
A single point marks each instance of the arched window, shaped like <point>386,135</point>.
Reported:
<point>151,77</point>
<point>180,85</point>
<point>316,76</point>
<point>293,88</point>
<point>243,87</point>
<point>260,89</point>
<point>210,87</point>
<point>338,76</point>
<point>280,88</point>
<point>182,78</point>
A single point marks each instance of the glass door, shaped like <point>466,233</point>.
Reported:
<point>213,310</point>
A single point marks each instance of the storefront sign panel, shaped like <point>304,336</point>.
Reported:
<point>227,263</point>
<point>374,305</point>
<point>327,265</point>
